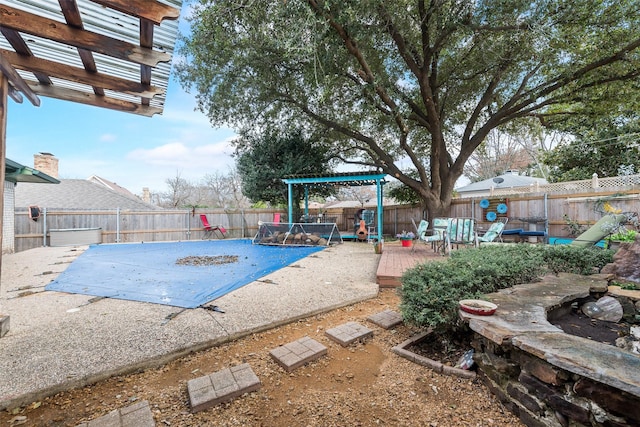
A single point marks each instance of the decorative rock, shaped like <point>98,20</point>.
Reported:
<point>626,262</point>
<point>544,371</point>
<point>611,309</point>
<point>634,295</point>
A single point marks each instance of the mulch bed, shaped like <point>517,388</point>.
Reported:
<point>445,349</point>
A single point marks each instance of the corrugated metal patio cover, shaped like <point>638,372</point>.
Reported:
<point>108,53</point>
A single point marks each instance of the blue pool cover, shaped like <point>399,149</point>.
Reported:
<point>148,271</point>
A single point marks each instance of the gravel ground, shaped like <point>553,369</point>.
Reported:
<point>362,385</point>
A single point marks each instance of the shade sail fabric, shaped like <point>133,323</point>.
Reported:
<point>148,271</point>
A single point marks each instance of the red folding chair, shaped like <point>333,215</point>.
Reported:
<point>210,231</point>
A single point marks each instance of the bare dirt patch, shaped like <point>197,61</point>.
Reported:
<point>362,385</point>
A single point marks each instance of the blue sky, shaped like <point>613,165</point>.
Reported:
<point>130,150</point>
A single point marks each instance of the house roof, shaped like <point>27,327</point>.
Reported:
<point>506,180</point>
<point>76,194</point>
<point>113,54</point>
<point>15,172</point>
<point>110,185</point>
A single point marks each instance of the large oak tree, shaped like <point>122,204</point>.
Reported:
<point>408,79</point>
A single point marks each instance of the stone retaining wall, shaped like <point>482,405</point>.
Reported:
<point>543,395</point>
<point>545,376</point>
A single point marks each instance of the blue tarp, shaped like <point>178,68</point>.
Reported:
<point>148,271</point>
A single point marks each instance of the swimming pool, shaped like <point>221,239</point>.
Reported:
<point>148,272</point>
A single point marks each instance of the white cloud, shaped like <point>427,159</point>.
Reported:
<point>108,137</point>
<point>180,155</point>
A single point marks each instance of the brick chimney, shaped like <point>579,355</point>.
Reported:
<point>146,195</point>
<point>46,163</point>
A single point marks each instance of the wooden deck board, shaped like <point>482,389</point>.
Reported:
<point>395,259</point>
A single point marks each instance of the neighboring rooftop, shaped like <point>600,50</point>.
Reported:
<point>76,194</point>
<point>110,185</point>
<point>506,180</point>
<point>92,193</point>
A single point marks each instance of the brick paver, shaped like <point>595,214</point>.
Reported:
<point>386,319</point>
<point>221,386</point>
<point>348,333</point>
<point>136,415</point>
<point>295,354</point>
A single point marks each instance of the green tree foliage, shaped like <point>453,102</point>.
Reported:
<point>602,148</point>
<point>423,81</point>
<point>264,160</point>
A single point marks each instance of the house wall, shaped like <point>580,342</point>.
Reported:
<point>8,218</point>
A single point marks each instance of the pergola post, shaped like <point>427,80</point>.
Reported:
<point>379,196</point>
<point>290,200</point>
<point>4,90</point>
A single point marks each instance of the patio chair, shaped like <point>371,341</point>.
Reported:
<point>494,232</point>
<point>461,231</point>
<point>439,235</point>
<point>608,224</point>
<point>421,231</point>
<point>209,230</point>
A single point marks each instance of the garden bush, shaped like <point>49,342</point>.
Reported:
<point>572,259</point>
<point>430,292</point>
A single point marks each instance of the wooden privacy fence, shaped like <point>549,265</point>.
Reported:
<point>122,226</point>
<point>540,211</point>
<point>549,212</point>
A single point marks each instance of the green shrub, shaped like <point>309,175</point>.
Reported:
<point>430,292</point>
<point>571,259</point>
<point>628,236</point>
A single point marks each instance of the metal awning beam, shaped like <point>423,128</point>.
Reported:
<point>18,82</point>
<point>79,75</point>
<point>19,20</point>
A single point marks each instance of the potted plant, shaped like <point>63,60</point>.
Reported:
<point>406,237</point>
<point>621,236</point>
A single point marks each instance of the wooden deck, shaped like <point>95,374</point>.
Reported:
<point>395,259</point>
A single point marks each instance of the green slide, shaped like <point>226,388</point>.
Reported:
<point>606,225</point>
